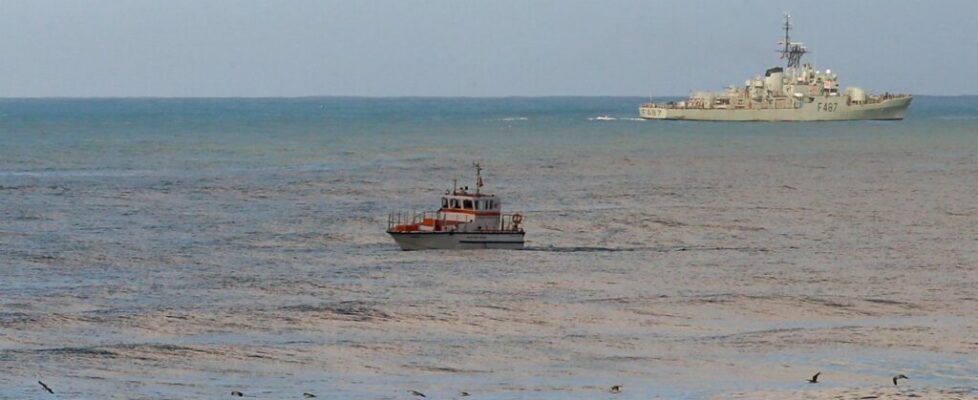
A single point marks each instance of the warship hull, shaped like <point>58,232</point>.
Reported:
<point>827,109</point>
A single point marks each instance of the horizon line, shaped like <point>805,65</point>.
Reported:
<point>380,97</point>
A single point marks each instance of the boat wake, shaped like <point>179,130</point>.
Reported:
<point>660,249</point>
<point>608,118</point>
<point>593,249</point>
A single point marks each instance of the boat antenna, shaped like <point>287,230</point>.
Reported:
<point>478,177</point>
<point>791,50</point>
<point>454,186</point>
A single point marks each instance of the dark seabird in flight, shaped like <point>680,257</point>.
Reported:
<point>901,376</point>
<point>417,393</point>
<point>52,392</point>
<point>464,394</point>
<point>236,393</point>
<point>616,389</point>
<point>308,395</point>
<point>815,377</point>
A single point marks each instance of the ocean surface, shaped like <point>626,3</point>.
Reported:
<point>185,248</point>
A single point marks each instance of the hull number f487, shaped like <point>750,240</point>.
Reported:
<point>830,107</point>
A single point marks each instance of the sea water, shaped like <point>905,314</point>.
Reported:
<point>185,248</point>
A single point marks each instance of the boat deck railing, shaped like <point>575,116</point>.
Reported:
<point>511,222</point>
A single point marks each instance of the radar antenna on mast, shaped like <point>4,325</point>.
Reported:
<point>791,50</point>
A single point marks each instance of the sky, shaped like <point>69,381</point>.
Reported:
<point>247,48</point>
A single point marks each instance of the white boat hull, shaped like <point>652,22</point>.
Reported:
<point>458,240</point>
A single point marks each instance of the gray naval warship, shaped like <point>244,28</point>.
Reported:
<point>794,93</point>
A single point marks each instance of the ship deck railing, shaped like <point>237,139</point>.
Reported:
<point>689,106</point>
<point>886,96</point>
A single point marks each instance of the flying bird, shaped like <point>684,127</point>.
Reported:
<point>236,393</point>
<point>901,376</point>
<point>46,387</point>
<point>464,394</point>
<point>417,393</point>
<point>815,377</point>
<point>308,395</point>
<point>616,389</point>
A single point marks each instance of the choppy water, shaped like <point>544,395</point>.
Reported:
<point>172,248</point>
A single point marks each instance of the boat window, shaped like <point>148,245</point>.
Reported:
<point>478,204</point>
<point>455,203</point>
<point>444,202</point>
<point>467,204</point>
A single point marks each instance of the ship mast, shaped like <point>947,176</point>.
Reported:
<point>792,50</point>
<point>478,177</point>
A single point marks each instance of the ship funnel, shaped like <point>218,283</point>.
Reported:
<point>773,70</point>
<point>856,95</point>
<point>708,99</point>
<point>773,81</point>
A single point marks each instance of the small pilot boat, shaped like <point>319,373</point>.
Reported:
<point>466,220</point>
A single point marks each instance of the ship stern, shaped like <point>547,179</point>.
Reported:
<point>651,111</point>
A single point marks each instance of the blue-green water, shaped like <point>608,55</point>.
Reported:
<point>209,134</point>
<point>184,248</point>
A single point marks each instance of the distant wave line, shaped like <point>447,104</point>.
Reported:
<point>132,173</point>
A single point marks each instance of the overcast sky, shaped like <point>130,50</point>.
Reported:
<point>471,48</point>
